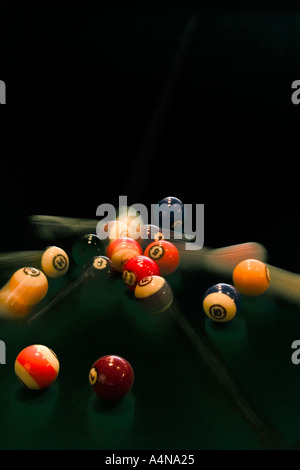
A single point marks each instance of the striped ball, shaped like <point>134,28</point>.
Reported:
<point>36,367</point>
<point>221,302</point>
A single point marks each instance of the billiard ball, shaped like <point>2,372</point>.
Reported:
<point>102,265</point>
<point>86,247</point>
<point>98,267</point>
<point>251,277</point>
<point>111,377</point>
<point>138,267</point>
<point>154,294</point>
<point>221,302</point>
<point>28,285</point>
<point>165,254</point>
<point>121,250</point>
<point>54,262</point>
<point>10,306</point>
<point>36,367</point>
<point>169,213</point>
<point>149,233</point>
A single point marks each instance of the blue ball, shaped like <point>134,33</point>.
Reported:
<point>222,302</point>
<point>169,213</point>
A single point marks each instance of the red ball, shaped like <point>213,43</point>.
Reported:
<point>122,249</point>
<point>111,377</point>
<point>165,254</point>
<point>137,268</point>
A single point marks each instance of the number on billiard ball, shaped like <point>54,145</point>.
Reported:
<point>54,262</point>
<point>138,267</point>
<point>221,302</point>
<point>154,294</point>
<point>26,288</point>
<point>165,254</point>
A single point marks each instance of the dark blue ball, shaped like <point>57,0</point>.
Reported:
<point>169,213</point>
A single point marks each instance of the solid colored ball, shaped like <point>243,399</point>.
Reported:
<point>169,213</point>
<point>86,247</point>
<point>154,293</point>
<point>165,254</point>
<point>37,367</point>
<point>54,262</point>
<point>28,285</point>
<point>138,267</point>
<point>221,302</point>
<point>111,377</point>
<point>121,250</point>
<point>251,277</point>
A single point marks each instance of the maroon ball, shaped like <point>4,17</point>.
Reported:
<point>111,377</point>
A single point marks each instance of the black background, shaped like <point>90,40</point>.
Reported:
<point>145,99</point>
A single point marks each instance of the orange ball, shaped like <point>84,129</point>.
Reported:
<point>28,285</point>
<point>10,307</point>
<point>251,277</point>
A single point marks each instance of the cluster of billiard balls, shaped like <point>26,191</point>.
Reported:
<point>143,272</point>
<point>222,302</point>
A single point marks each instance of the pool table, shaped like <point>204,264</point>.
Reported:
<point>198,384</point>
<point>190,100</point>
